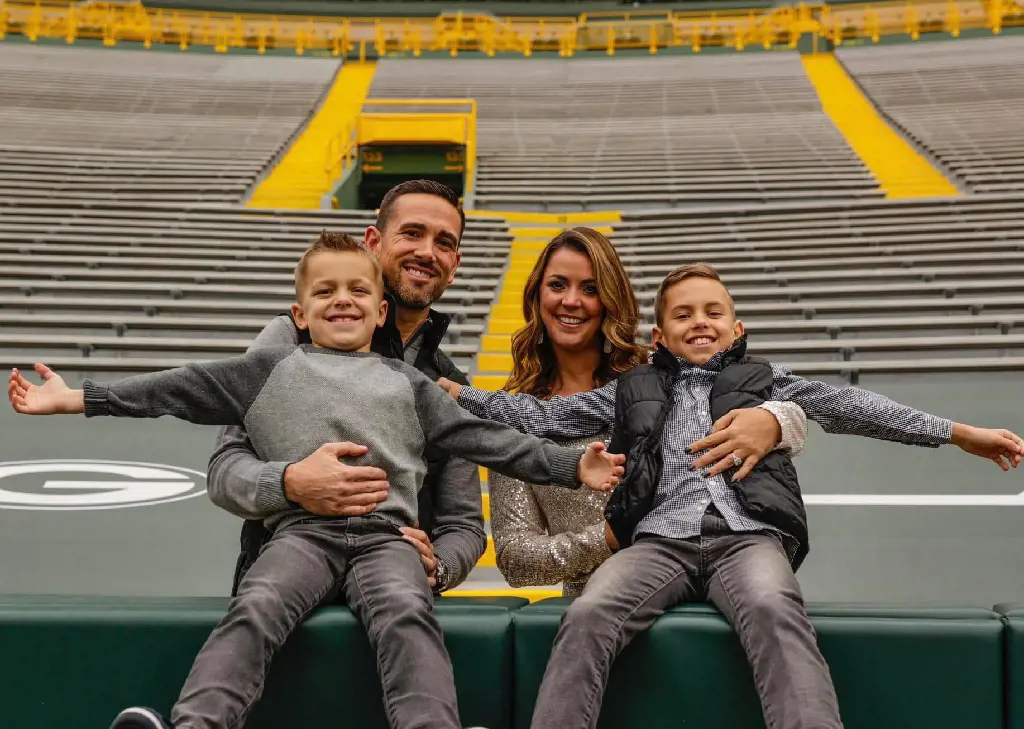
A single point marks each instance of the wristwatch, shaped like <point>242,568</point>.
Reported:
<point>441,576</point>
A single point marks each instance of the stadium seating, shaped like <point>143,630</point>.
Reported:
<point>155,285</point>
<point>641,132</point>
<point>117,125</point>
<point>964,107</point>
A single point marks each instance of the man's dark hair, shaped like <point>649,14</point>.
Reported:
<point>418,187</point>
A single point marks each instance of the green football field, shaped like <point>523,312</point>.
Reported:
<point>118,507</point>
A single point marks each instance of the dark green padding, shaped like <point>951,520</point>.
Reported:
<point>893,667</point>
<point>74,666</point>
<point>1013,616</point>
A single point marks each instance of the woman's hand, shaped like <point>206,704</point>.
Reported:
<point>742,436</point>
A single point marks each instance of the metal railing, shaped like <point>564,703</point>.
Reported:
<point>411,121</point>
<point>653,31</point>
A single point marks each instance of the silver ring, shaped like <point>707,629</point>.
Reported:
<point>736,461</point>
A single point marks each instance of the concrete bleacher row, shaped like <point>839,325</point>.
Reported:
<point>120,125</point>
<point>963,105</point>
<point>151,285</point>
<point>631,133</point>
<point>887,286</point>
<point>846,288</point>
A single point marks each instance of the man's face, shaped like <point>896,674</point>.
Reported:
<point>341,301</point>
<point>419,249</point>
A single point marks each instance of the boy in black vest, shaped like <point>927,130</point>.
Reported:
<point>734,543</point>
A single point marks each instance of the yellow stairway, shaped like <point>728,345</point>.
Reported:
<point>300,179</point>
<point>900,169</point>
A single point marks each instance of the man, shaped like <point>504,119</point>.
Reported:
<point>416,236</point>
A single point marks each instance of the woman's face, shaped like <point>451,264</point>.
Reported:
<point>570,308</point>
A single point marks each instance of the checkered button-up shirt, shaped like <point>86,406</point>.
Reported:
<point>683,494</point>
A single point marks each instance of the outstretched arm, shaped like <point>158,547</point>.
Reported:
<point>855,411</point>
<point>576,416</point>
<point>207,393</point>
<point>503,449</point>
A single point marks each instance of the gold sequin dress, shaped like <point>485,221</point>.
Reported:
<point>545,535</point>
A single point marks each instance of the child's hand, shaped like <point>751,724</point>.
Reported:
<point>599,469</point>
<point>1001,446</point>
<point>452,388</point>
<point>50,398</point>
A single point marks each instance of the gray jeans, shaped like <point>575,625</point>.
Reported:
<point>746,575</point>
<point>302,567</point>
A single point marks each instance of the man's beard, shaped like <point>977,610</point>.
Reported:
<point>409,296</point>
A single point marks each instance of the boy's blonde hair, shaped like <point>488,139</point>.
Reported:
<point>330,241</point>
<point>690,270</point>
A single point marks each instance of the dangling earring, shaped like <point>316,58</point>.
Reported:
<point>540,339</point>
<point>607,346</point>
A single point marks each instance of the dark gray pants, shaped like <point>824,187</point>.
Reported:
<point>747,576</point>
<point>302,567</point>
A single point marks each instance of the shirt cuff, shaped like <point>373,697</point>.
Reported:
<point>270,496</point>
<point>792,422</point>
<point>473,400</point>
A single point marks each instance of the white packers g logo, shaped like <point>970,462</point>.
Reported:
<point>77,485</point>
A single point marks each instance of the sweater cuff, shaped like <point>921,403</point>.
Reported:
<point>474,400</point>
<point>793,425</point>
<point>95,396</point>
<point>270,496</point>
<point>565,466</point>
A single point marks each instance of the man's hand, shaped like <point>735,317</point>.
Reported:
<point>419,539</point>
<point>745,433</point>
<point>323,485</point>
<point>609,538</point>
<point>53,397</point>
<point>599,469</point>
<point>452,388</point>
<point>1006,449</point>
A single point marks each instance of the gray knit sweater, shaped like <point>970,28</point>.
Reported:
<point>293,400</point>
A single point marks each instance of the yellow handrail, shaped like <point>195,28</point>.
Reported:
<point>456,127</point>
<point>114,22</point>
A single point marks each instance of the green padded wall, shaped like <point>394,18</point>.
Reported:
<point>1013,616</point>
<point>74,663</point>
<point>893,668</point>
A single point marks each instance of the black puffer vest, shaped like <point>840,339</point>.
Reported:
<point>644,400</point>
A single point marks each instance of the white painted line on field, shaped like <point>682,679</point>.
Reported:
<point>914,499</point>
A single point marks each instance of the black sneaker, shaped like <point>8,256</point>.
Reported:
<point>139,717</point>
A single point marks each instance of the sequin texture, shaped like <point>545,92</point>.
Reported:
<point>545,535</point>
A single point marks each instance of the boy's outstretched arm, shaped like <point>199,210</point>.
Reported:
<point>576,416</point>
<point>855,411</point>
<point>499,447</point>
<point>208,393</point>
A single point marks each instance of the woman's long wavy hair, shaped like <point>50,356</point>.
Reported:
<point>534,368</point>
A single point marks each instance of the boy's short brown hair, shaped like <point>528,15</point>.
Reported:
<point>690,270</point>
<point>329,241</point>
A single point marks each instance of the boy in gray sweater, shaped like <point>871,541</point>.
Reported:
<point>291,400</point>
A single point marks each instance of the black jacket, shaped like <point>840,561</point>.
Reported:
<point>644,399</point>
<point>431,361</point>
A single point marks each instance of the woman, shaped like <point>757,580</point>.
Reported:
<point>581,321</point>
